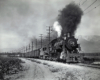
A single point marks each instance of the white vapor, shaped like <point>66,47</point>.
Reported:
<point>57,27</point>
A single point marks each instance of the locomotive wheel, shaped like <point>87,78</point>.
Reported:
<point>56,59</point>
<point>64,61</point>
<point>50,59</point>
<point>67,61</point>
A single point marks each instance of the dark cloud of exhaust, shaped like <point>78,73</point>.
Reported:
<point>69,18</point>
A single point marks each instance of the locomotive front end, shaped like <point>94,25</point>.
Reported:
<point>71,48</point>
<point>71,42</point>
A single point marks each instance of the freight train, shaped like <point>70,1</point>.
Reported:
<point>65,49</point>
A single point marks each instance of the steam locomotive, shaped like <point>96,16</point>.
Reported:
<point>64,49</point>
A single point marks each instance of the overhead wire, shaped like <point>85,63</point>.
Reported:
<point>84,2</point>
<point>90,5</point>
<point>92,9</point>
<point>80,2</point>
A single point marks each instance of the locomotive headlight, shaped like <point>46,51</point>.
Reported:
<point>72,43</point>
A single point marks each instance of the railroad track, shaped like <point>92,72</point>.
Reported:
<point>89,65</point>
<point>79,64</point>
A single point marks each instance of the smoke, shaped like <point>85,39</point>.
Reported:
<point>69,18</point>
<point>57,27</point>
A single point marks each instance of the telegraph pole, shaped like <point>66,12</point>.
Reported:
<point>26,49</point>
<point>36,43</point>
<point>32,45</point>
<point>49,32</point>
<point>41,35</point>
<point>49,36</point>
<point>29,47</point>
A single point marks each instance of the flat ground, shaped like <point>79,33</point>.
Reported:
<point>47,70</point>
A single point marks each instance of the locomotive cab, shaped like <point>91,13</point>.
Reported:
<point>43,53</point>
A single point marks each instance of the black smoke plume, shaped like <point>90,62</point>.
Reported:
<point>69,18</point>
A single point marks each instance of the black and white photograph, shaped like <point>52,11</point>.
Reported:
<point>49,39</point>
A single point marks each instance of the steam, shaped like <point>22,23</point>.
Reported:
<point>57,27</point>
<point>69,18</point>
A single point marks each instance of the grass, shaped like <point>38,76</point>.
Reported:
<point>9,66</point>
<point>45,64</point>
<point>51,68</point>
<point>54,70</point>
<point>71,76</point>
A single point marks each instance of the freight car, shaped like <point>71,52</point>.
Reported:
<point>32,54</point>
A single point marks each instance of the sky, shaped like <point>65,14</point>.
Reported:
<point>22,20</point>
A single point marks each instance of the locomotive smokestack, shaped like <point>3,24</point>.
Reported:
<point>68,34</point>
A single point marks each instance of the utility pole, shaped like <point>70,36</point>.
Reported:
<point>36,43</point>
<point>32,45</point>
<point>41,35</point>
<point>29,47</point>
<point>26,49</point>
<point>49,36</point>
<point>49,32</point>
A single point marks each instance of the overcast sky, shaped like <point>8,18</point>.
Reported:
<point>21,20</point>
